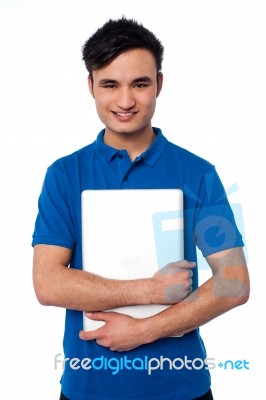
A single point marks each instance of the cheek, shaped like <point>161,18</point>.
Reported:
<point>102,98</point>
<point>150,99</point>
<point>149,103</point>
<point>101,111</point>
<point>101,105</point>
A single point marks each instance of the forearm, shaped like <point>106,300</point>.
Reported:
<point>123,333</point>
<point>80,290</point>
<point>228,288</point>
<point>56,284</point>
<point>212,299</point>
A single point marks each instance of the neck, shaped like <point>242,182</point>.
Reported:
<point>134,143</point>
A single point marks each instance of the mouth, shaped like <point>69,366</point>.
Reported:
<point>124,116</point>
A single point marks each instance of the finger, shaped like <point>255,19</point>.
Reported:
<point>174,267</point>
<point>90,335</point>
<point>185,264</point>
<point>97,316</point>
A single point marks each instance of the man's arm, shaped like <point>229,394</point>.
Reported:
<point>228,288</point>
<point>56,284</point>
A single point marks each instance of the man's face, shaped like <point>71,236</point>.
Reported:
<point>125,92</point>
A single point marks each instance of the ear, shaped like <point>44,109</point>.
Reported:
<point>90,83</point>
<point>159,83</point>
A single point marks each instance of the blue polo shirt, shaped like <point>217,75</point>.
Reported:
<point>171,368</point>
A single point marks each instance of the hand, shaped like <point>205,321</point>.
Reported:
<point>120,332</point>
<point>174,282</point>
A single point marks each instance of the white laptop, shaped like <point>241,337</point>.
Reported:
<point>130,234</point>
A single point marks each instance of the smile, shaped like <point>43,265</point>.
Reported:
<point>124,114</point>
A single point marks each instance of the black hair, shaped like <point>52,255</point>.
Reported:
<point>114,38</point>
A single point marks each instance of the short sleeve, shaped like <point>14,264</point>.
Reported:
<point>54,224</point>
<point>215,227</point>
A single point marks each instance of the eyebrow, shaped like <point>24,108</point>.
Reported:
<point>145,79</point>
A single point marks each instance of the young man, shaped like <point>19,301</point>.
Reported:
<point>124,63</point>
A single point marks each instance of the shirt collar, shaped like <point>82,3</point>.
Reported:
<point>150,156</point>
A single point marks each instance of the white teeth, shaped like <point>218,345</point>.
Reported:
<point>124,114</point>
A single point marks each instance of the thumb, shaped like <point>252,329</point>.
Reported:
<point>97,316</point>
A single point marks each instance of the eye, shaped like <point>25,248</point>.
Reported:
<point>110,86</point>
<point>140,85</point>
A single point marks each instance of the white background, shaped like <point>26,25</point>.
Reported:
<point>213,103</point>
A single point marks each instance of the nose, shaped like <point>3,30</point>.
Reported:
<point>125,99</point>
